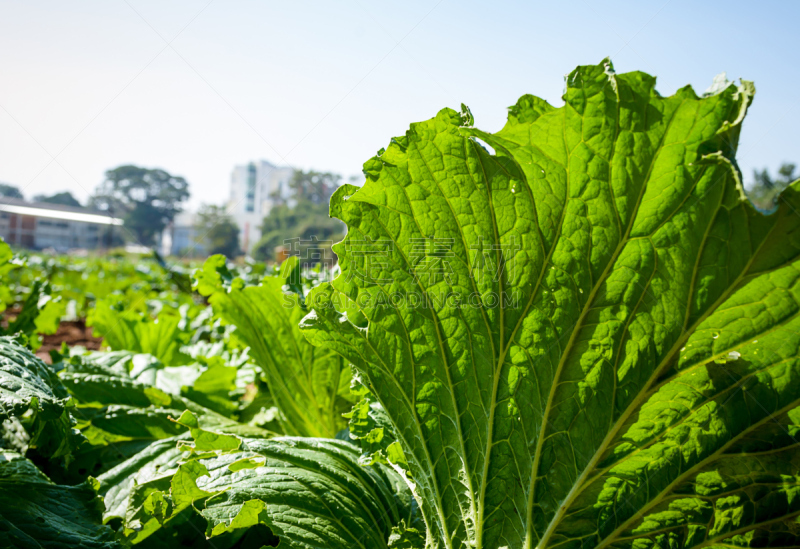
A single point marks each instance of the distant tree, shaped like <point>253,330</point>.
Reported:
<point>786,173</point>
<point>765,190</point>
<point>10,191</point>
<point>147,200</point>
<point>217,232</point>
<point>762,180</point>
<point>315,187</point>
<point>64,199</point>
<point>306,229</point>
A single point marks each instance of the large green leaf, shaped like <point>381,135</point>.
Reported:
<point>36,514</point>
<point>311,493</point>
<point>309,386</point>
<point>26,382</point>
<point>588,338</point>
<point>121,415</point>
<point>124,377</point>
<point>158,459</point>
<point>29,387</point>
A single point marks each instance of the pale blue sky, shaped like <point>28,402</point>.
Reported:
<point>196,87</point>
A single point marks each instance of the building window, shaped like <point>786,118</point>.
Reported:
<point>57,224</point>
<point>250,197</point>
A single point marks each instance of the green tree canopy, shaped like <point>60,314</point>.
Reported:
<point>765,190</point>
<point>217,232</point>
<point>315,187</point>
<point>304,227</point>
<point>63,198</point>
<point>147,200</point>
<point>10,191</point>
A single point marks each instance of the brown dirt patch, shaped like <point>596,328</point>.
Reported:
<point>72,333</point>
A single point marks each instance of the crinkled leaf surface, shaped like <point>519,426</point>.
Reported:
<point>617,362</point>
<point>13,435</point>
<point>121,416</point>
<point>312,493</point>
<point>373,430</point>
<point>99,382</point>
<point>35,513</point>
<point>309,386</point>
<point>106,377</point>
<point>158,460</point>
<point>27,383</point>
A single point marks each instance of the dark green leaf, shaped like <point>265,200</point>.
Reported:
<point>26,383</point>
<point>36,514</point>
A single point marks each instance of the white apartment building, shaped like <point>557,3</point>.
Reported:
<point>182,238</point>
<point>255,189</point>
<point>39,225</point>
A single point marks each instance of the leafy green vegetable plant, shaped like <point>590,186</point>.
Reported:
<point>34,405</point>
<point>40,312</point>
<point>586,338</point>
<point>34,511</point>
<point>309,386</point>
<point>126,330</point>
<point>573,333</point>
<point>310,492</point>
